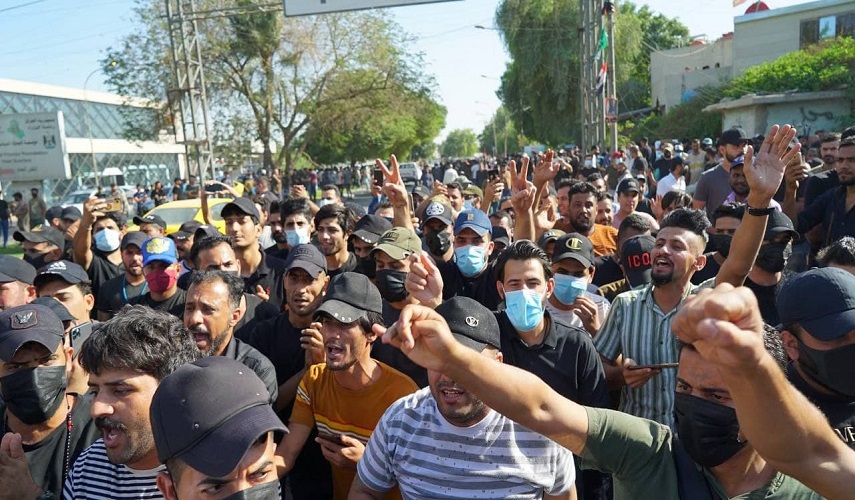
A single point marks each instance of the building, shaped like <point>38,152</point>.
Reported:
<point>760,35</point>
<point>103,132</point>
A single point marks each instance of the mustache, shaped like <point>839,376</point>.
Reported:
<point>106,423</point>
<point>450,385</point>
<point>199,329</point>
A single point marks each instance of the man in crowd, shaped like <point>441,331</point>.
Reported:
<point>767,273</point>
<point>297,223</point>
<point>52,217</point>
<point>16,282</point>
<point>577,205</point>
<point>628,196</point>
<point>44,426</point>
<point>183,239</point>
<point>840,254</point>
<point>42,245</point>
<point>675,180</point>
<point>212,310</point>
<point>433,426</point>
<point>106,229</point>
<point>261,273</point>
<point>119,291</point>
<point>232,444</point>
<point>69,223</point>
<point>344,397</point>
<point>151,224</point>
<point>738,184</point>
<point>275,233</point>
<point>334,224</point>
<point>330,195</point>
<point>572,266</point>
<point>547,240</point>
<point>825,177</point>
<point>641,455</point>
<point>126,359</point>
<point>437,221</point>
<point>160,269</point>
<point>36,208</point>
<point>714,185</point>
<point>363,240</point>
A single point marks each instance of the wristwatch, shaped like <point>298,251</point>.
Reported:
<point>759,212</point>
<point>48,495</point>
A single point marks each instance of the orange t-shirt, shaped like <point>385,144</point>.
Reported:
<point>334,409</point>
<point>604,240</point>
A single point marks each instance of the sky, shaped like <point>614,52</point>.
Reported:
<point>60,42</point>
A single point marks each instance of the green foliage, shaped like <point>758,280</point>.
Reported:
<point>460,143</point>
<point>828,65</point>
<point>684,120</point>
<point>502,130</point>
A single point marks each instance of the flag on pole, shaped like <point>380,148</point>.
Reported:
<point>738,2</point>
<point>601,78</point>
<point>603,45</point>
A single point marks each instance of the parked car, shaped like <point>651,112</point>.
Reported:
<point>410,172</point>
<point>175,213</point>
<point>78,197</point>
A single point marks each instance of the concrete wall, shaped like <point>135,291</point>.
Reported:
<point>766,36</point>
<point>675,71</point>
<point>807,112</point>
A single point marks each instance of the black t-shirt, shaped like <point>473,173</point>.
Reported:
<point>393,356</point>
<point>639,166</point>
<point>662,167</point>
<point>710,270</point>
<point>766,299</point>
<point>101,270</point>
<point>839,410</point>
<point>481,288</point>
<point>269,275</point>
<point>606,270</point>
<point>173,305</point>
<point>238,350</point>
<point>257,310</point>
<point>817,184</point>
<point>46,457</point>
<point>279,253</point>
<point>4,210</point>
<point>116,292</point>
<point>348,266</point>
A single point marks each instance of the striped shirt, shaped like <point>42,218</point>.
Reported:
<point>637,328</point>
<point>414,446</point>
<point>93,477</point>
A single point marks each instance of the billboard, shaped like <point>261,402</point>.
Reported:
<point>32,147</point>
<point>308,7</point>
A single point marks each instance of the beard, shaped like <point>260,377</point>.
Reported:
<point>215,342</point>
<point>581,225</point>
<point>740,189</point>
<point>137,436</point>
<point>662,279</point>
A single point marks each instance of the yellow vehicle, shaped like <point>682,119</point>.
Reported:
<point>178,212</point>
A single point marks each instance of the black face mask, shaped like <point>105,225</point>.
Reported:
<point>772,257</point>
<point>391,285</point>
<point>37,260</point>
<point>721,243</point>
<point>366,266</point>
<point>266,491</point>
<point>34,394</point>
<point>708,431</point>
<point>279,237</point>
<point>834,368</point>
<point>438,242</point>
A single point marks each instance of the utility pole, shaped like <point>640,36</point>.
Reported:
<point>189,86</point>
<point>583,76</point>
<point>611,85</point>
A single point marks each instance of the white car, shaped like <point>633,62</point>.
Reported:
<point>78,197</point>
<point>410,172</point>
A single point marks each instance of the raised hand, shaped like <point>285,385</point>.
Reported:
<point>765,171</point>
<point>423,335</point>
<point>391,174</point>
<point>545,218</point>
<point>523,200</point>
<point>312,342</point>
<point>424,283</point>
<point>519,181</point>
<point>546,169</point>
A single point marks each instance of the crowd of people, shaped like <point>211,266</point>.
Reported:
<point>533,330</point>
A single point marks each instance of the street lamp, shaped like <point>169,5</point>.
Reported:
<point>89,123</point>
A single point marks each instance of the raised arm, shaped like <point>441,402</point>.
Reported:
<point>725,327</point>
<point>763,174</point>
<point>396,193</point>
<point>81,245</point>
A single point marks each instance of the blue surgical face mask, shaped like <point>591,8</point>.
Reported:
<point>568,288</point>
<point>524,308</point>
<point>467,205</point>
<point>470,259</point>
<point>296,237</point>
<point>658,155</point>
<point>107,240</point>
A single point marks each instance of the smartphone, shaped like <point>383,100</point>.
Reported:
<point>412,204</point>
<point>79,334</point>
<point>660,366</point>
<point>329,436</point>
<point>213,188</point>
<point>113,206</point>
<point>378,177</point>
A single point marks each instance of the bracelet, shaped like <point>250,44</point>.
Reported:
<point>759,212</point>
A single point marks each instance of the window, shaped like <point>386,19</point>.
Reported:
<point>827,27</point>
<point>809,32</point>
<point>823,28</point>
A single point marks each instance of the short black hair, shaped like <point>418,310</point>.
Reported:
<point>828,137</point>
<point>734,210</point>
<point>333,187</point>
<point>676,196</point>
<point>849,141</point>
<point>633,221</point>
<point>522,250</point>
<point>454,185</point>
<point>207,243</point>
<point>688,218</point>
<point>501,214</point>
<point>841,252</point>
<point>583,188</point>
<point>234,284</point>
<point>139,339</point>
<point>295,206</point>
<point>565,183</point>
<point>604,195</point>
<point>847,133</point>
<point>594,177</point>
<point>344,216</point>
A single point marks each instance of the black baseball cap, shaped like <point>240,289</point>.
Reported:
<point>66,270</point>
<point>822,301</point>
<point>635,258</point>
<point>71,213</point>
<point>778,223</point>
<point>308,258</point>
<point>628,185</point>
<point>150,219</point>
<point>471,323</point>
<point>186,230</point>
<point>209,413</point>
<point>735,136</point>
<point>548,236</point>
<point>15,269</point>
<point>438,211</point>
<point>41,234</point>
<point>422,191</point>
<point>349,296</point>
<point>28,323</point>
<point>133,238</point>
<point>55,306</point>
<point>241,205</point>
<point>54,212</point>
<point>500,235</point>
<point>574,246</point>
<point>205,230</point>
<point>370,227</point>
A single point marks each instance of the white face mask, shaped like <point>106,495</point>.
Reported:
<point>324,202</point>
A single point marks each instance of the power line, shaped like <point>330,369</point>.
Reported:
<point>21,5</point>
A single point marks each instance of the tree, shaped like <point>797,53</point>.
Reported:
<point>460,143</point>
<point>502,130</point>
<point>284,74</point>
